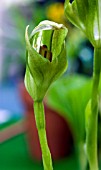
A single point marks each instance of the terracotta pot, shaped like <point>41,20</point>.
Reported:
<point>59,136</point>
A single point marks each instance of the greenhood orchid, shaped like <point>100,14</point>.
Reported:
<point>86,15</point>
<point>46,57</point>
<point>45,62</point>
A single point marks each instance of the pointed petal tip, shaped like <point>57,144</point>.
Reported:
<point>27,26</point>
<point>26,30</point>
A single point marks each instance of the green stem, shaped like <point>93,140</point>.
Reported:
<point>40,123</point>
<point>82,156</point>
<point>91,138</point>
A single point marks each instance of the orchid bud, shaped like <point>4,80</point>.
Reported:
<point>86,15</point>
<point>46,57</point>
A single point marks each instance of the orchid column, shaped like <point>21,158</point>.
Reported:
<point>45,62</point>
<point>86,15</point>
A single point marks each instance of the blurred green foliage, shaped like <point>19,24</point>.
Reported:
<point>69,96</point>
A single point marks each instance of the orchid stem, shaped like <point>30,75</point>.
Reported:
<point>40,123</point>
<point>91,138</point>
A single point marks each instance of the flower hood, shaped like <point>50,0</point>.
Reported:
<point>45,57</point>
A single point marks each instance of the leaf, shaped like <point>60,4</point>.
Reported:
<point>69,96</point>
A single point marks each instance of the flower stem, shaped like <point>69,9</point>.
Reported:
<point>82,156</point>
<point>91,138</point>
<point>40,123</point>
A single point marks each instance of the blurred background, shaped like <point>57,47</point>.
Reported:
<point>65,101</point>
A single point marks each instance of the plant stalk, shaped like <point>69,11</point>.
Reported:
<point>91,138</point>
<point>40,123</point>
<point>82,156</point>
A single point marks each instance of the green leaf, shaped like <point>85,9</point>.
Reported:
<point>69,96</point>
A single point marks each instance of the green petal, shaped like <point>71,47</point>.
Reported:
<point>29,83</point>
<point>82,7</point>
<point>71,13</point>
<point>35,61</point>
<point>58,41</point>
<point>86,14</point>
<point>61,65</point>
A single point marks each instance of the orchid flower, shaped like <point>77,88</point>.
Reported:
<point>46,57</point>
<point>45,62</point>
<point>86,15</point>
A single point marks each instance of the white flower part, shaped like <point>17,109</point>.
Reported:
<point>51,24</point>
<point>36,45</point>
<point>96,28</point>
<point>99,6</point>
<point>97,23</point>
<point>46,25</point>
